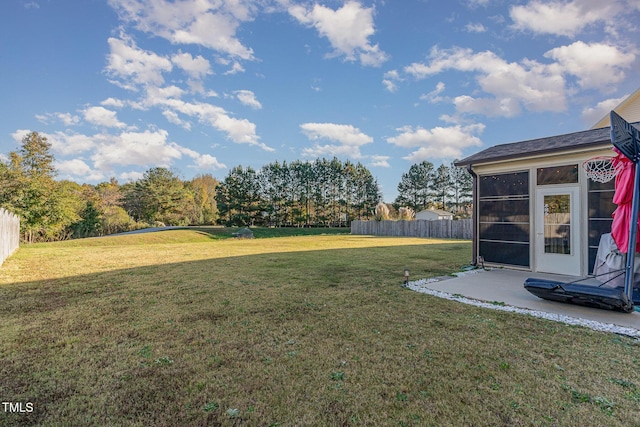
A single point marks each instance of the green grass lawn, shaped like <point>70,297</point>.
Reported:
<point>183,328</point>
<point>217,232</point>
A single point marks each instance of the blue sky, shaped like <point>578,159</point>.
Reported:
<point>120,86</point>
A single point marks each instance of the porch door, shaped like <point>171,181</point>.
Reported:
<point>557,242</point>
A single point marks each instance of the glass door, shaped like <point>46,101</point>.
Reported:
<point>557,224</point>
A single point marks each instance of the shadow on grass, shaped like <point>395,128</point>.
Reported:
<point>217,232</point>
<point>145,344</point>
<point>318,337</point>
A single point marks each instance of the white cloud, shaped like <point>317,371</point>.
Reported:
<point>457,58</point>
<point>208,23</point>
<point>67,119</point>
<point>592,115</point>
<point>196,68</point>
<point>475,28</point>
<point>113,102</point>
<point>434,96</point>
<point>62,143</point>
<point>208,162</point>
<point>66,143</point>
<point>19,135</point>
<point>478,3</point>
<point>172,117</point>
<point>133,66</point>
<point>131,176</point>
<point>109,152</point>
<point>348,30</point>
<point>564,18</point>
<point>330,150</point>
<point>159,96</point>
<point>202,161</point>
<point>240,131</point>
<point>439,142</point>
<point>509,88</point>
<point>391,80</point>
<point>491,107</point>
<point>100,116</point>
<point>379,161</point>
<point>349,139</point>
<point>134,148</point>
<point>345,134</point>
<point>595,65</point>
<point>78,168</point>
<point>73,167</point>
<point>248,98</point>
<point>512,86</point>
<point>235,69</point>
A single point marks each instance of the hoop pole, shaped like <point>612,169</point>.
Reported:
<point>633,229</point>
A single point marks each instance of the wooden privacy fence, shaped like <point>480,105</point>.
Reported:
<point>444,228</point>
<point>9,234</point>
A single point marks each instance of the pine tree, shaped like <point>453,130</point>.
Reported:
<point>414,189</point>
<point>239,196</point>
<point>442,186</point>
<point>461,187</point>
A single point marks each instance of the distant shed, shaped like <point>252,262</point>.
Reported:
<point>434,214</point>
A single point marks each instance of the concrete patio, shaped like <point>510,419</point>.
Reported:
<point>507,286</point>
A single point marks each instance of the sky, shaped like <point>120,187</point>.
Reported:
<point>201,86</point>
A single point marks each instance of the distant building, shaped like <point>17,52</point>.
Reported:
<point>434,214</point>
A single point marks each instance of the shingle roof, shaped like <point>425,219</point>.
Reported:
<point>437,211</point>
<point>584,139</point>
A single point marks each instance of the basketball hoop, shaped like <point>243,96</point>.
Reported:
<point>600,169</point>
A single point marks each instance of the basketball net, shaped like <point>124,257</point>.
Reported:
<point>600,169</point>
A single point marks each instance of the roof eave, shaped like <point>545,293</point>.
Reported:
<point>542,153</point>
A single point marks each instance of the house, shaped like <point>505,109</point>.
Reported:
<point>535,208</point>
<point>434,214</point>
<point>629,109</point>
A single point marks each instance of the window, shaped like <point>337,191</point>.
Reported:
<point>601,206</point>
<point>557,175</point>
<point>503,208</point>
<point>557,224</point>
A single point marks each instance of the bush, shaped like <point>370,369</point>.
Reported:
<point>381,212</point>
<point>406,213</point>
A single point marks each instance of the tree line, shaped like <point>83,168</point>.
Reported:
<point>51,209</point>
<point>321,193</point>
<point>425,187</point>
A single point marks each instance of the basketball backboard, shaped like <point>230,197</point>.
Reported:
<point>625,137</point>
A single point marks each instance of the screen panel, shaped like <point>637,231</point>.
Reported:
<point>504,218</point>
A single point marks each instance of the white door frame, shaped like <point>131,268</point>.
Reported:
<point>546,257</point>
